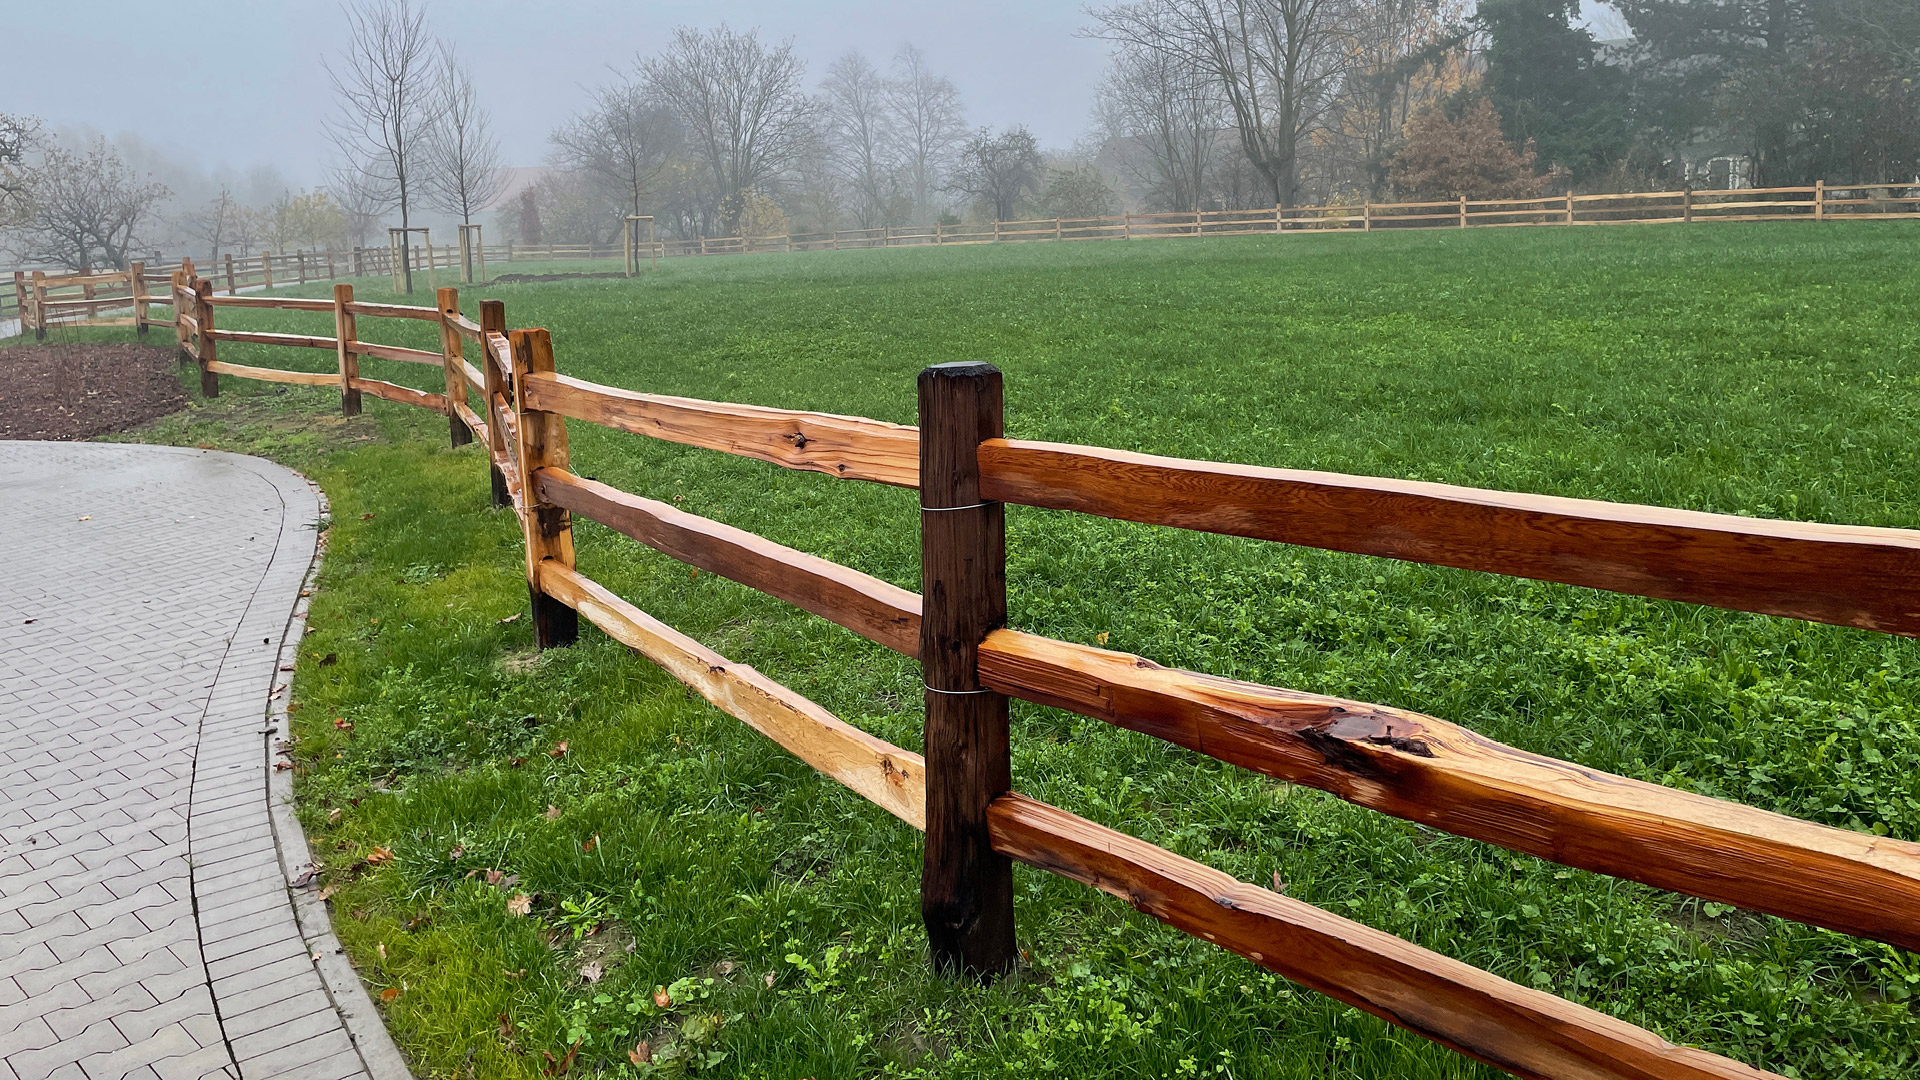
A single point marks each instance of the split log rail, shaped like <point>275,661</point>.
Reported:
<point>960,793</point>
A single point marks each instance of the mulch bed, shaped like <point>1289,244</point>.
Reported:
<point>63,393</point>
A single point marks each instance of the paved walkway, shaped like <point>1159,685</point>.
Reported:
<point>148,603</point>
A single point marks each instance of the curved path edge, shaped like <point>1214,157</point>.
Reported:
<point>158,915</point>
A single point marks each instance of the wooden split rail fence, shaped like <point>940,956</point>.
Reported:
<point>960,791</point>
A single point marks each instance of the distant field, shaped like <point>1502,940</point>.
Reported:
<point>1765,370</point>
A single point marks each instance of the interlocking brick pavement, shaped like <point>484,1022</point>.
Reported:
<point>145,595</point>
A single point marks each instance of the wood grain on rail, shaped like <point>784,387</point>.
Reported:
<point>1527,1032</point>
<point>302,378</point>
<point>258,337</point>
<point>395,311</point>
<point>846,446</point>
<point>1844,574</point>
<point>396,352</point>
<point>874,609</point>
<point>277,303</point>
<point>885,775</point>
<point>405,395</point>
<point>1443,776</point>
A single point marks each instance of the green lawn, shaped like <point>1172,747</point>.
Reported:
<point>1765,370</point>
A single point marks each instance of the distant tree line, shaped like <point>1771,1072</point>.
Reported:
<point>1236,103</point>
<point>1206,104</point>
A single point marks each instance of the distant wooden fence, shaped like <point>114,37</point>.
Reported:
<point>267,270</point>
<point>960,792</point>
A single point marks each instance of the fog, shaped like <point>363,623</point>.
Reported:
<point>252,69</point>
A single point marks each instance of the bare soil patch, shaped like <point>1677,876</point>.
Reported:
<point>64,393</point>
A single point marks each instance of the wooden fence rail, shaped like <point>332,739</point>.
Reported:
<point>960,793</point>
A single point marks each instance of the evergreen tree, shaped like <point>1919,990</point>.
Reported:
<point>1549,86</point>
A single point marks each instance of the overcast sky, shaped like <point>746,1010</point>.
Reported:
<point>253,68</point>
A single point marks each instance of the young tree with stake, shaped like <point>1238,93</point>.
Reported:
<point>386,105</point>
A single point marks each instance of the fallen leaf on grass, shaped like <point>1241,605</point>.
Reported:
<point>516,762</point>
<point>366,517</point>
<point>515,617</point>
<point>1278,885</point>
<point>327,892</point>
<point>379,855</point>
<point>520,904</point>
<point>559,1066</point>
<point>390,993</point>
<point>592,842</point>
<point>591,971</point>
<point>559,750</point>
<point>553,812</point>
<point>1101,637</point>
<point>641,1054</point>
<point>661,998</point>
<point>769,980</point>
<point>381,948</point>
<point>333,816</point>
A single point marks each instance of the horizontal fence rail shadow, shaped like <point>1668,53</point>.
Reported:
<point>960,792</point>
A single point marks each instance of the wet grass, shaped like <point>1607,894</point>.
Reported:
<point>1766,370</point>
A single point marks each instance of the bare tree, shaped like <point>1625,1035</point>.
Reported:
<point>85,210</point>
<point>360,203</point>
<point>854,104</point>
<point>217,224</point>
<point>999,170</point>
<point>928,123</point>
<point>622,142</point>
<point>464,174</point>
<point>19,135</point>
<point>741,104</point>
<point>1276,62</point>
<point>386,103</point>
<point>1164,114</point>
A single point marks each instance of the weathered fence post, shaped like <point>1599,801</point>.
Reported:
<point>1366,217</point>
<point>343,332</point>
<point>452,354</point>
<point>330,274</point>
<point>266,268</point>
<point>1463,211</point>
<point>1686,205</point>
<point>177,284</point>
<point>20,300</point>
<point>493,320</point>
<point>1569,207</point>
<point>1819,200</point>
<point>231,289</point>
<point>137,286</point>
<point>300,263</point>
<point>966,891</point>
<point>39,306</point>
<point>548,528</point>
<point>203,314</point>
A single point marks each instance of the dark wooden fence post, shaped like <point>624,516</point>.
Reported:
<point>452,355</point>
<point>966,891</point>
<point>203,314</point>
<point>548,528</point>
<point>137,284</point>
<point>493,320</point>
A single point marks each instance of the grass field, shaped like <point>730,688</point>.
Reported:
<point>1764,370</point>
